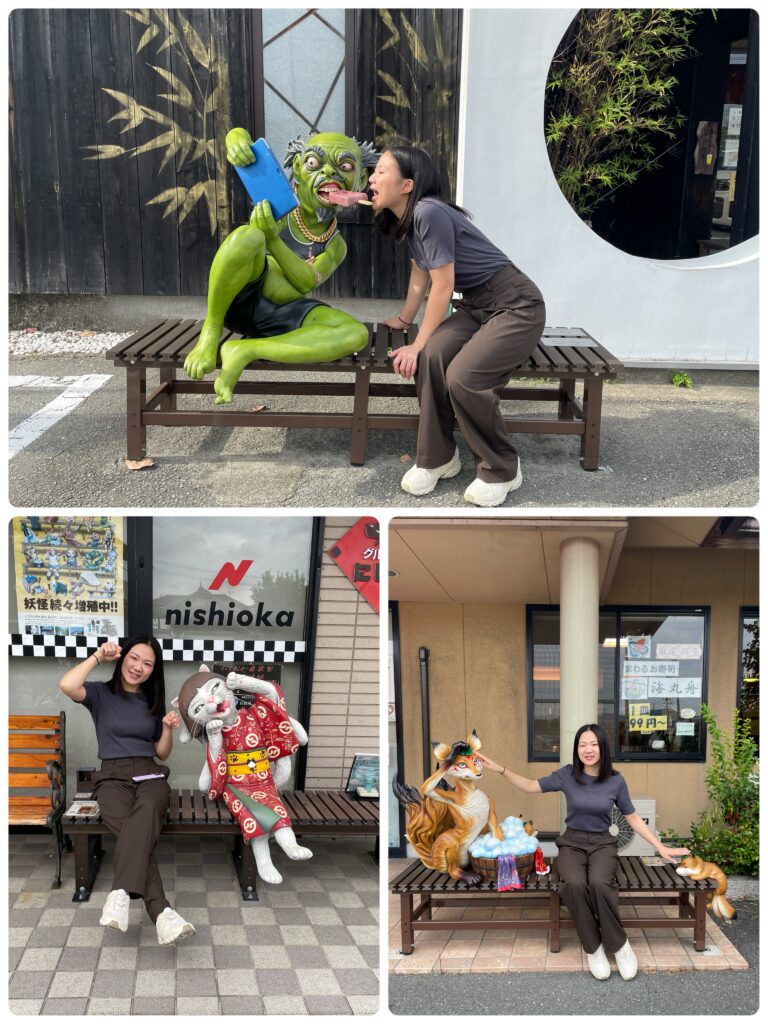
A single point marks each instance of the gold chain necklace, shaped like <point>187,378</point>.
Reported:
<point>307,233</point>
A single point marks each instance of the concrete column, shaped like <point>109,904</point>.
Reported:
<point>579,632</point>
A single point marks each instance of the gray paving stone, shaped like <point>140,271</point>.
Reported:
<point>237,982</point>
<point>195,982</point>
<point>64,1008</point>
<point>157,958</point>
<point>153,1006</point>
<point>370,954</point>
<point>358,982</point>
<point>336,1005</point>
<point>60,917</point>
<point>49,937</point>
<point>78,958</point>
<point>112,984</point>
<point>345,956</point>
<point>198,1006</point>
<point>24,917</point>
<point>307,956</point>
<point>109,1007</point>
<point>299,935</point>
<point>244,1006</point>
<point>318,982</point>
<point>262,935</point>
<point>277,982</point>
<point>363,1004</point>
<point>334,935</point>
<point>155,983</point>
<point>232,957</point>
<point>228,935</point>
<point>93,937</point>
<point>194,955</point>
<point>39,959</point>
<point>15,953</point>
<point>323,915</point>
<point>116,958</point>
<point>291,915</point>
<point>25,1007</point>
<point>71,985</point>
<point>356,915</point>
<point>29,984</point>
<point>284,1005</point>
<point>252,915</point>
<point>272,957</point>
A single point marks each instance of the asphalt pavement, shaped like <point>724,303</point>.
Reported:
<point>703,993</point>
<point>661,447</point>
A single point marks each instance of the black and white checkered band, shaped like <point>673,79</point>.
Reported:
<point>174,649</point>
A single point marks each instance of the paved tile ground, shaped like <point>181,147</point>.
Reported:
<point>309,946</point>
<point>501,951</point>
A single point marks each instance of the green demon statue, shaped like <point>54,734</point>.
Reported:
<point>264,270</point>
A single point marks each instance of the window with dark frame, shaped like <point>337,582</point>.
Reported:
<point>651,682</point>
<point>748,690</point>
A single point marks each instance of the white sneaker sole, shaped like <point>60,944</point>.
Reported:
<point>468,496</point>
<point>172,940</point>
<point>448,475</point>
<point>111,922</point>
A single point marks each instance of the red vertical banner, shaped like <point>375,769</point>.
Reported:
<point>357,555</point>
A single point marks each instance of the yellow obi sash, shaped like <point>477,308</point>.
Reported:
<point>247,762</point>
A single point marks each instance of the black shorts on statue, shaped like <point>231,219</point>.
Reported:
<point>254,316</point>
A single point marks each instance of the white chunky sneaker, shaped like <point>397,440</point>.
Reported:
<point>115,912</point>
<point>488,495</point>
<point>598,964</point>
<point>171,927</point>
<point>420,481</point>
<point>626,961</point>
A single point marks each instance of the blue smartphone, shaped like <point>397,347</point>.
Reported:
<point>265,179</point>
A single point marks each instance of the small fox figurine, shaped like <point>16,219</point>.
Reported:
<point>696,868</point>
<point>443,822</point>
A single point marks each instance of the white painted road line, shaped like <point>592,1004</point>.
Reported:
<point>76,390</point>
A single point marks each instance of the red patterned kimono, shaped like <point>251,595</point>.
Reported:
<point>241,773</point>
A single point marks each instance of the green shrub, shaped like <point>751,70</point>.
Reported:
<point>681,379</point>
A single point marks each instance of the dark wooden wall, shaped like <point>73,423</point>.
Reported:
<point>139,223</point>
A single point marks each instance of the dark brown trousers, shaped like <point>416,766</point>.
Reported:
<point>466,363</point>
<point>587,864</point>
<point>134,812</point>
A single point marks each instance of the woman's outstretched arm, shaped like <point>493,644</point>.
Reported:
<point>520,781</point>
<point>71,683</point>
<point>404,359</point>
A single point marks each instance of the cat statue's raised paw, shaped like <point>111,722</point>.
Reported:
<point>248,754</point>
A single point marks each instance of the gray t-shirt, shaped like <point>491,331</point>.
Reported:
<point>442,235</point>
<point>589,805</point>
<point>125,727</point>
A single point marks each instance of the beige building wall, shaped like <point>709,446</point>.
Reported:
<point>344,717</point>
<point>478,671</point>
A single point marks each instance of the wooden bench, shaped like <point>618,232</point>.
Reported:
<point>565,355</point>
<point>191,813</point>
<point>37,776</point>
<point>639,885</point>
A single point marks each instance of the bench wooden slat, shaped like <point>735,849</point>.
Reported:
<point>16,760</point>
<point>35,741</point>
<point>198,806</point>
<point>306,811</point>
<point>23,780</point>
<point>29,810</point>
<point>33,722</point>
<point>344,807</point>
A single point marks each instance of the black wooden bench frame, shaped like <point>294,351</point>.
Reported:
<point>638,885</point>
<point>565,354</point>
<point>191,813</point>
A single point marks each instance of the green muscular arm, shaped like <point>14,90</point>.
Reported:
<point>301,277</point>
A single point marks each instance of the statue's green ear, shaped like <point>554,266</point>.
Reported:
<point>296,165</point>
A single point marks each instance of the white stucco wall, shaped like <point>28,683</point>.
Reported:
<point>681,313</point>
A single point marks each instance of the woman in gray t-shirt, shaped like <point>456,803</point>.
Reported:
<point>587,851</point>
<point>132,729</point>
<point>463,362</point>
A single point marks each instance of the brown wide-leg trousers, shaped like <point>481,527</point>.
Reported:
<point>466,363</point>
<point>587,864</point>
<point>134,812</point>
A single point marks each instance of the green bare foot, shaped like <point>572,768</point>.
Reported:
<point>202,358</point>
<point>235,356</point>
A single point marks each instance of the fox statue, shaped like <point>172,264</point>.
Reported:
<point>697,869</point>
<point>443,822</point>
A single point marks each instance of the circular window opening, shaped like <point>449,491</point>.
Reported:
<point>651,128</point>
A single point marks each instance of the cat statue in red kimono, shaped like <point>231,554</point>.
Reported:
<point>247,757</point>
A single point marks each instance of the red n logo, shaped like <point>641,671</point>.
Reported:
<point>229,574</point>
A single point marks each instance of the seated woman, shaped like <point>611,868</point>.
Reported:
<point>588,855</point>
<point>264,270</point>
<point>132,790</point>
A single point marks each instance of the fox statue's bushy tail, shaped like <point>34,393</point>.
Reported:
<point>425,821</point>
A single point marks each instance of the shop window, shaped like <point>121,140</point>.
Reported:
<point>748,696</point>
<point>651,679</point>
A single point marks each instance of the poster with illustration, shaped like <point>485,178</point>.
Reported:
<point>69,575</point>
<point>638,647</point>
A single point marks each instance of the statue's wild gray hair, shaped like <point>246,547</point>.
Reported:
<point>298,144</point>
